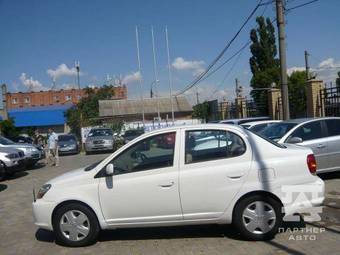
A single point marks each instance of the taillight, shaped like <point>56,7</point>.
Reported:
<point>311,162</point>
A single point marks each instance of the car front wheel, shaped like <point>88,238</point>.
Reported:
<point>75,225</point>
<point>258,217</point>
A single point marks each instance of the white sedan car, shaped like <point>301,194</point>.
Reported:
<point>204,174</point>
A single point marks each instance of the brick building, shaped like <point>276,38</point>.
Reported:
<point>54,97</point>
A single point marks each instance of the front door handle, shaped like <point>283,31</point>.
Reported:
<point>167,185</point>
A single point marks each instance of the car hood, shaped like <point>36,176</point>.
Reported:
<point>21,145</point>
<point>8,150</point>
<point>68,177</point>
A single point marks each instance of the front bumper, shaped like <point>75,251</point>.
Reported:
<point>42,213</point>
<point>15,166</point>
<point>98,147</point>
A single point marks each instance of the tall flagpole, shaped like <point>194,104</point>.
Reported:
<point>140,80</point>
<point>170,76</point>
<point>155,72</point>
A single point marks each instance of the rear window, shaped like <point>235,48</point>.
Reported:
<point>277,131</point>
<point>267,139</point>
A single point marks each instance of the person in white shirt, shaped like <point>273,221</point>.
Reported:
<point>52,145</point>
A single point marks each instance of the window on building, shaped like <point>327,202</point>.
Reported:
<point>27,100</point>
<point>56,98</point>
<point>14,100</point>
<point>68,97</point>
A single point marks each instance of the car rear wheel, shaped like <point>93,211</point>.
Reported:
<point>75,225</point>
<point>258,217</point>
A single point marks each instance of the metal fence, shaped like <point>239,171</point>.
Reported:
<point>330,101</point>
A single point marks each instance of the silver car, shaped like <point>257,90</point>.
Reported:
<point>31,153</point>
<point>322,135</point>
<point>99,139</point>
<point>11,161</point>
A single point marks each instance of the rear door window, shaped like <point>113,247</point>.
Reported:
<point>333,127</point>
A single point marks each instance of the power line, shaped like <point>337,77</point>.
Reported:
<point>300,5</point>
<point>199,77</point>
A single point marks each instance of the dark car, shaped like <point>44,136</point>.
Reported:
<point>68,144</point>
<point>132,134</point>
<point>22,139</point>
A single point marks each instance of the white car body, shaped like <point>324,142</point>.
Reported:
<point>198,193</point>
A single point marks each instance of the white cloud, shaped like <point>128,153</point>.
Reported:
<point>329,63</point>
<point>61,70</point>
<point>294,69</point>
<point>30,83</point>
<point>131,78</point>
<point>196,66</point>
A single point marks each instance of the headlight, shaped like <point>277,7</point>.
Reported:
<point>11,155</point>
<point>43,190</point>
<point>72,146</point>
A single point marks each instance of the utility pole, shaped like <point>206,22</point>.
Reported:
<point>283,62</point>
<point>307,65</point>
<point>170,76</point>
<point>197,97</point>
<point>77,64</point>
<point>155,73</point>
<point>140,80</point>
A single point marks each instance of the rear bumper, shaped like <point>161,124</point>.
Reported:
<point>303,198</point>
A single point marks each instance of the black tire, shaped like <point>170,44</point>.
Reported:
<point>238,221</point>
<point>2,171</point>
<point>93,225</point>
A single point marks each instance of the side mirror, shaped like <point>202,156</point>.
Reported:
<point>295,139</point>
<point>109,170</point>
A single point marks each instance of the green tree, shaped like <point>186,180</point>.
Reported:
<point>263,63</point>
<point>87,110</point>
<point>297,94</point>
<point>201,111</point>
<point>8,128</point>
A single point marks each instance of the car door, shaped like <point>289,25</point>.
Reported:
<point>144,187</point>
<point>313,136</point>
<point>213,167</point>
<point>333,141</point>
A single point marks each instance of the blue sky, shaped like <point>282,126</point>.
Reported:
<point>42,35</point>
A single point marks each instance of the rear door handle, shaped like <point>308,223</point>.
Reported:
<point>167,185</point>
<point>320,146</point>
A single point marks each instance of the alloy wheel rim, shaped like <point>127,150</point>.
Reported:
<point>74,225</point>
<point>259,217</point>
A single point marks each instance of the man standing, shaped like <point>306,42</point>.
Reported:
<point>52,145</point>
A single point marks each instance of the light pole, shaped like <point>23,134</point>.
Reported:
<point>156,94</point>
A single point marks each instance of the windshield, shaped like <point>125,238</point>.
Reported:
<point>92,166</point>
<point>5,141</point>
<point>277,131</point>
<point>66,138</point>
<point>101,132</point>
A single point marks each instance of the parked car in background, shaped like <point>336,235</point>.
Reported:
<point>68,144</point>
<point>131,134</point>
<point>258,126</point>
<point>11,161</point>
<point>31,154</point>
<point>322,135</point>
<point>22,139</point>
<point>243,120</point>
<point>99,139</point>
<point>191,180</point>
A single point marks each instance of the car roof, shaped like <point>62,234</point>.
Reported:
<point>302,120</point>
<point>254,123</point>
<point>245,119</point>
